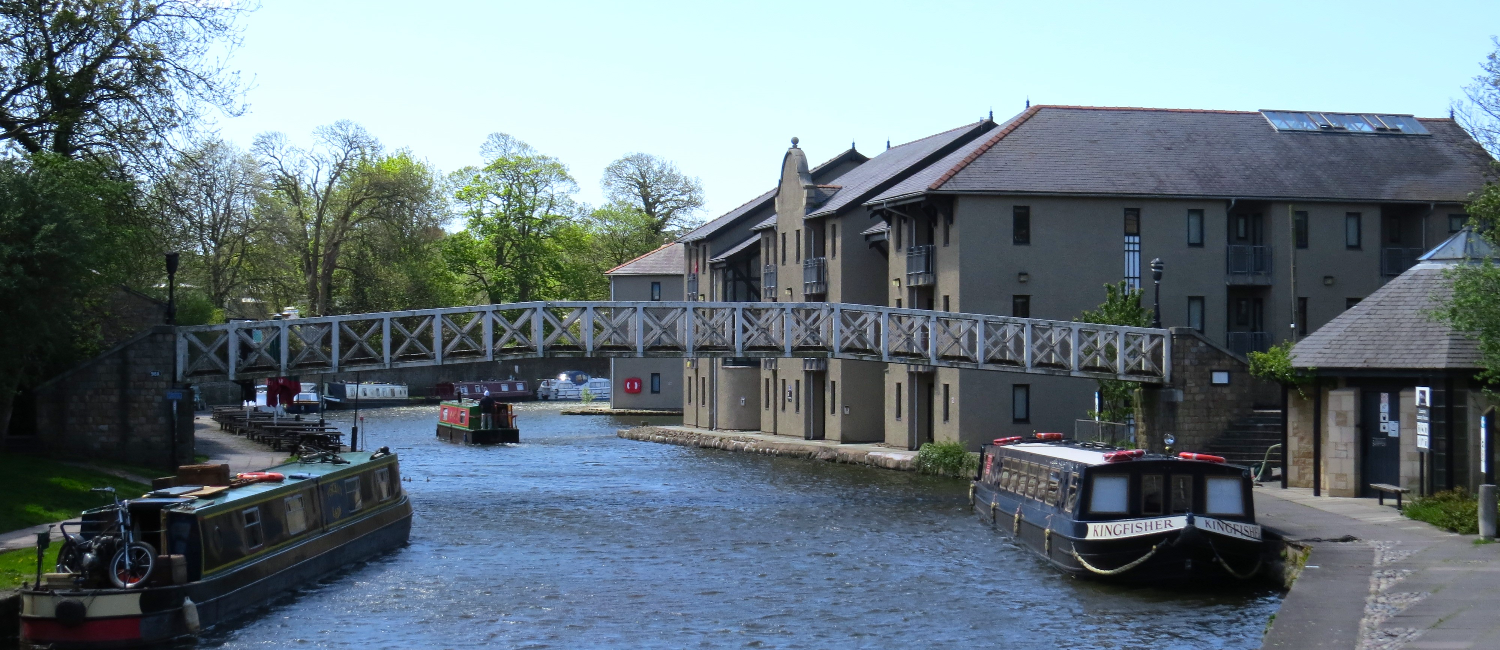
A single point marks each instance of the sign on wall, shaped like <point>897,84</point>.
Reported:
<point>633,385</point>
<point>1424,416</point>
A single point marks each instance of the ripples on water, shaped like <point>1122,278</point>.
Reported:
<point>577,538</point>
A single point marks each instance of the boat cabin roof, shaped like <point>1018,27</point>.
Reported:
<point>1091,454</point>
<point>303,471</point>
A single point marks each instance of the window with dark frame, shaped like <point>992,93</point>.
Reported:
<point>255,536</point>
<point>787,398</point>
<point>1392,230</point>
<point>945,402</point>
<point>947,228</point>
<point>656,382</point>
<point>1021,225</point>
<point>1456,222</point>
<point>1195,228</point>
<point>768,393</point>
<point>656,291</point>
<point>797,397</point>
<point>1020,402</point>
<point>1195,313</point>
<point>1299,226</point>
<point>898,400</point>
<point>1133,248</point>
<point>1020,306</point>
<point>833,240</point>
<point>703,391</point>
<point>945,303</point>
<point>896,228</point>
<point>1353,230</point>
<point>1301,316</point>
<point>833,397</point>
<point>783,248</point>
<point>799,246</point>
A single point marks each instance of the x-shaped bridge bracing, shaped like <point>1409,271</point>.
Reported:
<point>252,349</point>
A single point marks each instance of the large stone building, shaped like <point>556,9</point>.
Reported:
<point>1269,224</point>
<point>647,383</point>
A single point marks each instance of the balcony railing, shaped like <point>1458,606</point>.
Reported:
<point>1395,261</point>
<point>1246,264</point>
<point>919,266</point>
<point>768,282</point>
<point>692,286</point>
<point>815,276</point>
<point>1243,343</point>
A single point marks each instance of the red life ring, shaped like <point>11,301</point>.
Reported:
<point>1049,436</point>
<point>1188,455</point>
<point>1124,455</point>
<point>268,477</point>
<point>1006,441</point>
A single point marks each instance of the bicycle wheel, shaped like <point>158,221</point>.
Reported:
<point>133,574</point>
<point>69,558</point>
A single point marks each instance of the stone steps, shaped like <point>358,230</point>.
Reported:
<point>1245,441</point>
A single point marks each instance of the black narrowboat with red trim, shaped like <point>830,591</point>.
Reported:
<point>223,550</point>
<point>1121,514</point>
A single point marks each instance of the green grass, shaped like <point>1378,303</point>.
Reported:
<point>947,459</point>
<point>20,565</point>
<point>1454,510</point>
<point>42,491</point>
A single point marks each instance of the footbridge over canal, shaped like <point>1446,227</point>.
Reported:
<point>453,335</point>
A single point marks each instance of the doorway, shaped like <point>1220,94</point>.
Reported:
<point>919,426</point>
<point>813,426</point>
<point>1380,438</point>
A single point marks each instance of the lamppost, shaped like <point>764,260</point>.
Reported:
<point>172,288</point>
<point>1156,267</point>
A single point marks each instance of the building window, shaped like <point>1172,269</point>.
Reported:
<point>1133,248</point>
<point>1195,228</point>
<point>656,291</point>
<point>945,303</point>
<point>898,303</point>
<point>767,383</point>
<point>703,391</point>
<point>783,248</point>
<point>1299,226</point>
<point>255,536</point>
<point>655,382</point>
<point>898,400</point>
<point>1350,302</point>
<point>799,246</point>
<point>1456,222</point>
<point>1302,317</point>
<point>1392,230</point>
<point>1020,306</point>
<point>833,240</point>
<point>1020,225</point>
<point>833,397</point>
<point>945,402</point>
<point>788,396</point>
<point>1195,313</point>
<point>689,383</point>
<point>1352,231</point>
<point>896,228</point>
<point>947,227</point>
<point>1020,402</point>
<point>797,404</point>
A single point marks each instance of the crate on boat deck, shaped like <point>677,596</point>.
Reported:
<point>211,474</point>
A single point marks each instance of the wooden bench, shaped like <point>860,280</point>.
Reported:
<point>1382,489</point>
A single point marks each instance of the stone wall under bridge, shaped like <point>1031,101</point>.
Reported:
<point>1192,407</point>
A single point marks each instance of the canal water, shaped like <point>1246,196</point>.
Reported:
<point>578,539</point>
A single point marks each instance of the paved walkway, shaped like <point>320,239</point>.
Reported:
<point>765,443</point>
<point>241,454</point>
<point>1395,583</point>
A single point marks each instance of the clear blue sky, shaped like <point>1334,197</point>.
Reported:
<point>719,89</point>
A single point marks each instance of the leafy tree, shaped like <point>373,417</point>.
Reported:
<point>207,204</point>
<point>1473,307</point>
<point>1121,306</point>
<point>515,206</point>
<point>622,233</point>
<point>68,237</point>
<point>112,78</point>
<point>395,261</point>
<point>1275,365</point>
<point>656,188</point>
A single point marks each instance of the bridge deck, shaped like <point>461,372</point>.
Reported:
<point>253,349</point>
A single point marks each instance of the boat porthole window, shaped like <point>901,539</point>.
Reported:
<point>382,484</point>
<point>1151,494</point>
<point>218,538</point>
<point>1182,493</point>
<point>1224,496</point>
<point>1033,478</point>
<point>1005,474</point>
<point>1110,494</point>
<point>1054,478</point>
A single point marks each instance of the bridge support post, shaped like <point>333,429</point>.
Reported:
<point>385,341</point>
<point>739,331</point>
<point>489,334</point>
<point>334,343</point>
<point>286,345</point>
<point>538,335</point>
<point>437,338</point>
<point>588,330</point>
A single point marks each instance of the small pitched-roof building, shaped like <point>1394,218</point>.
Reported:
<point>647,383</point>
<point>1358,424</point>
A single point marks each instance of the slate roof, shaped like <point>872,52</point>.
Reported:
<point>1393,329</point>
<point>768,222</point>
<point>670,259</point>
<point>860,182</point>
<point>1072,150</point>
<point>708,229</point>
<point>736,249</point>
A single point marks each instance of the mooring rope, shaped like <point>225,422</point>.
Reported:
<point>1232,572</point>
<point>1110,572</point>
<point>971,495</point>
<point>1015,528</point>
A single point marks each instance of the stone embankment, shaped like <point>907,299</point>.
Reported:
<point>605,410</point>
<point>759,443</point>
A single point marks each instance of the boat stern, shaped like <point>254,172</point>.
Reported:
<point>101,618</point>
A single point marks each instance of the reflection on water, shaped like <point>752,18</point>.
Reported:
<point>577,538</point>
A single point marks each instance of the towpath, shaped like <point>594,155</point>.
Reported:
<point>1376,580</point>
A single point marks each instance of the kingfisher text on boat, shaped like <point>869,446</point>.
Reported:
<point>1122,514</point>
<point>225,548</point>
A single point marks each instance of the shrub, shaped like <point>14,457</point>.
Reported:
<point>947,459</point>
<point>1454,510</point>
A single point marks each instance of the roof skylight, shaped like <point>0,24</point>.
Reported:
<point>1345,122</point>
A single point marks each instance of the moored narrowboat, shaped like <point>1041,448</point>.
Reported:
<point>507,390</point>
<point>348,395</point>
<point>1121,514</point>
<point>461,421</point>
<point>224,549</point>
